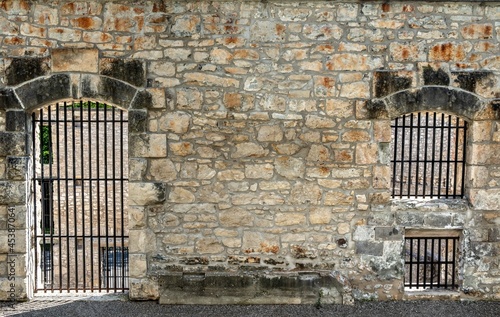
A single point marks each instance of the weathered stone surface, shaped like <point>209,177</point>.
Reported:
<point>12,143</point>
<point>109,89</point>
<point>143,194</point>
<point>49,89</point>
<point>75,60</point>
<point>370,248</point>
<point>25,69</point>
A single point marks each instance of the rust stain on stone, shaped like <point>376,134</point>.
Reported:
<point>84,22</point>
<point>386,7</point>
<point>280,29</point>
<point>408,8</point>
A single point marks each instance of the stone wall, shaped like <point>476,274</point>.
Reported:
<point>259,135</point>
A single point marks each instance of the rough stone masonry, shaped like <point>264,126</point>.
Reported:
<point>259,138</point>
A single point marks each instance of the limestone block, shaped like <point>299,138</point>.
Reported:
<point>148,145</point>
<point>265,171</point>
<point>15,120</point>
<point>137,217</point>
<point>318,153</point>
<point>17,168</point>
<point>267,31</point>
<point>366,153</point>
<point>326,31</point>
<point>236,217</point>
<point>177,122</point>
<point>290,167</point>
<point>186,25</point>
<point>289,219</point>
<point>162,170</point>
<point>143,289</point>
<point>12,192</point>
<point>353,62</point>
<point>249,149</point>
<point>339,108</point>
<point>271,133</point>
<point>138,265</point>
<point>305,193</point>
<point>260,242</point>
<point>320,215</point>
<point>181,195</point>
<point>319,122</point>
<point>208,245</point>
<point>334,198</point>
<point>189,98</point>
<point>485,199</point>
<point>142,241</point>
<point>75,60</point>
<point>143,194</point>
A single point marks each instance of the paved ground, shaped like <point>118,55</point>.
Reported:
<point>118,306</point>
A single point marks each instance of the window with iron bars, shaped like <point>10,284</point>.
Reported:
<point>428,155</point>
<point>114,267</point>
<point>431,262</point>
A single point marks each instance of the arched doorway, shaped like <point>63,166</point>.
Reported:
<point>80,177</point>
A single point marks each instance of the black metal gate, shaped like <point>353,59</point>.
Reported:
<point>79,196</point>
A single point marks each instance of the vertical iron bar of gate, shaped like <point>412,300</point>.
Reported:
<point>75,219</point>
<point>98,177</point>
<point>82,189</point>
<point>410,155</point>
<point>464,152</point>
<point>454,262</point>
<point>411,260</point>
<point>58,164</point>
<point>66,177</point>
<point>91,209</point>
<point>51,209</point>
<point>121,203</point>
<point>113,157</point>
<point>426,144</point>
<point>33,136</point>
<point>402,157</point>
<point>418,155</point>
<point>441,148</point>
<point>395,143</point>
<point>433,161</point>
<point>455,161</point>
<point>42,224</point>
<point>106,191</point>
<point>448,158</point>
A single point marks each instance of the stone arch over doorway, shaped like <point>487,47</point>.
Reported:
<point>18,102</point>
<point>439,98</point>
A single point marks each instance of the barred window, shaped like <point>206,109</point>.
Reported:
<point>428,155</point>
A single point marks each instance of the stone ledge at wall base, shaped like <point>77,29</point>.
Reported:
<point>311,288</point>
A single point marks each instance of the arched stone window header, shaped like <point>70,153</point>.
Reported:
<point>434,98</point>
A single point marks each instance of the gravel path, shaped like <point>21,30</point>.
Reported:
<point>116,308</point>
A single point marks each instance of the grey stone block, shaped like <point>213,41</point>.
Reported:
<point>370,248</point>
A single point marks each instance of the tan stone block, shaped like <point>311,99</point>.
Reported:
<point>181,195</point>
<point>177,122</point>
<point>264,198</point>
<point>138,265</point>
<point>290,167</point>
<point>318,153</point>
<point>343,228</point>
<point>353,62</point>
<point>75,60</point>
<point>203,79</point>
<point>265,171</point>
<point>181,148</point>
<point>477,31</point>
<point>162,68</point>
<point>381,177</point>
<point>481,131</point>
<point>272,133</point>
<point>343,156</point>
<point>65,34</point>
<point>274,185</point>
<point>382,131</point>
<point>142,241</point>
<point>189,98</point>
<point>319,122</point>
<point>286,148</point>
<point>231,175</point>
<point>163,170</point>
<point>273,103</point>
<point>320,216</point>
<point>137,217</point>
<point>355,90</point>
<point>366,153</point>
<point>330,183</point>
<point>45,15</point>
<point>339,108</point>
<point>318,172</point>
<point>186,25</point>
<point>174,239</point>
<point>30,30</point>
<point>259,242</point>
<point>220,232</point>
<point>236,217</point>
<point>334,198</point>
<point>143,194</point>
<point>289,219</point>
<point>249,149</point>
<point>220,56</point>
<point>356,136</point>
<point>449,51</point>
<point>305,193</point>
<point>209,245</point>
